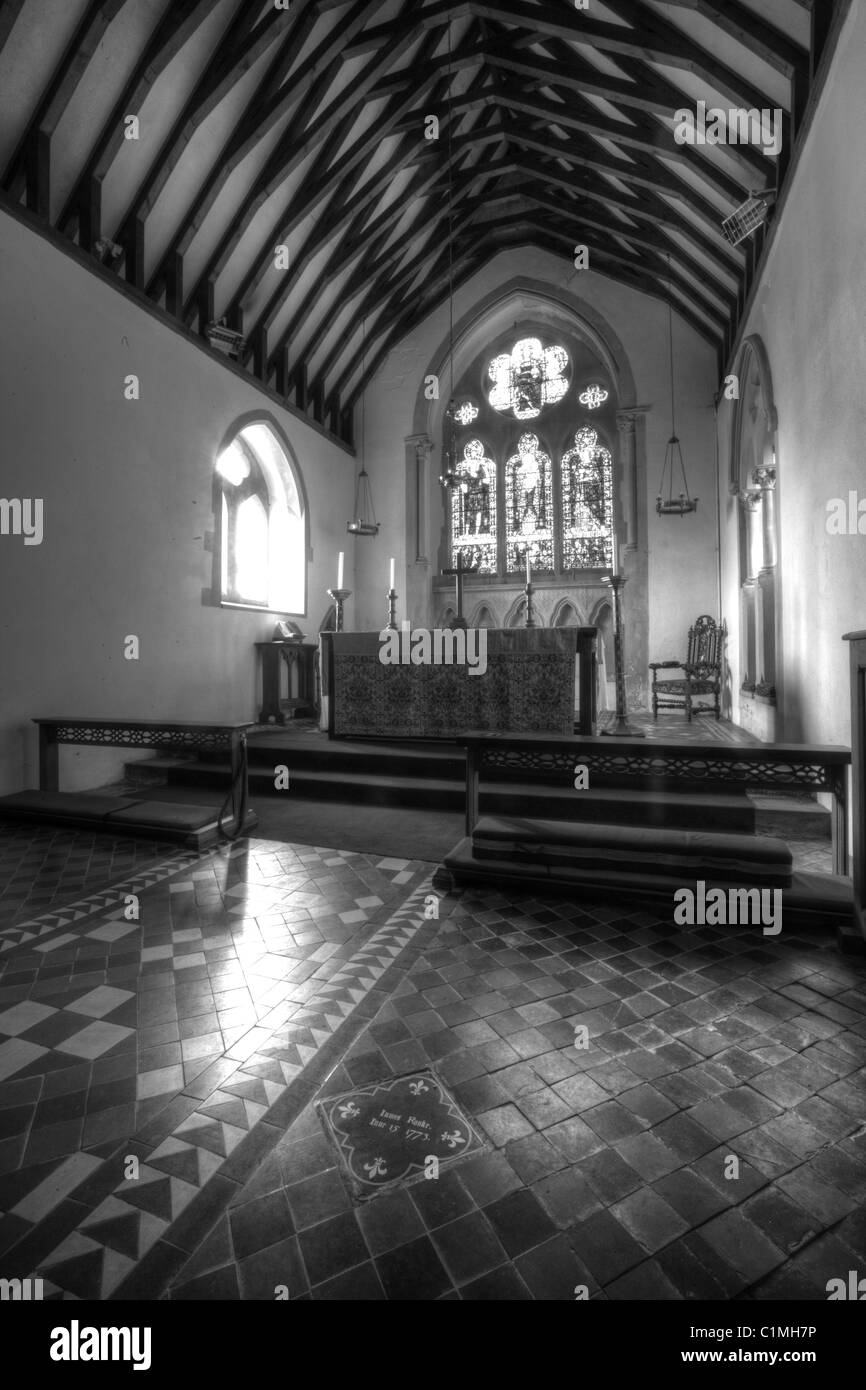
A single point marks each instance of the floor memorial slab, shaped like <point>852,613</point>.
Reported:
<point>393,1130</point>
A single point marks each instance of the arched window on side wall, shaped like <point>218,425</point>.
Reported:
<point>262,546</point>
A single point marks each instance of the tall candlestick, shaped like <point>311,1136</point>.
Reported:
<point>391,585</point>
<point>340,571</point>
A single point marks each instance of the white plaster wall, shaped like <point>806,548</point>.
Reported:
<point>810,311</point>
<point>683,569</point>
<point>127,490</point>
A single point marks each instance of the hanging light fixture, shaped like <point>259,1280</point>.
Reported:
<point>448,476</point>
<point>363,521</point>
<point>670,505</point>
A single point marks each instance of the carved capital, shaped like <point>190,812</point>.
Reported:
<point>764,478</point>
<point>627,418</point>
<point>423,444</point>
<point>750,500</point>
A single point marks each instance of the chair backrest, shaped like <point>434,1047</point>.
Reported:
<point>705,646</point>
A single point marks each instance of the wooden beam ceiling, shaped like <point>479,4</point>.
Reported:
<point>305,127</point>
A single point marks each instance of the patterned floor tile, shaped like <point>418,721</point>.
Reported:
<point>189,1037</point>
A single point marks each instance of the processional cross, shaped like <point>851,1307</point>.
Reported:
<point>460,569</point>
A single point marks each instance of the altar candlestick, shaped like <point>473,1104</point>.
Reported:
<point>391,585</point>
<point>340,571</point>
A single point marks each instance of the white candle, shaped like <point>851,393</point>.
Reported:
<point>615,551</point>
<point>340,571</point>
<point>392,573</point>
<point>528,568</point>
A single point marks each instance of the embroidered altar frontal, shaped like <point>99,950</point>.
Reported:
<point>527,687</point>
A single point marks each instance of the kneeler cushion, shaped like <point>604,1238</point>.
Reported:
<point>167,813</point>
<point>628,849</point>
<point>74,804</point>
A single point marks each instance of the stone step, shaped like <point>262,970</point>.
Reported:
<point>676,809</point>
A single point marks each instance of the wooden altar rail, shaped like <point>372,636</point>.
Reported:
<point>626,761</point>
<point>178,737</point>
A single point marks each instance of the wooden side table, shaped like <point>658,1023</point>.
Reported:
<point>299,656</point>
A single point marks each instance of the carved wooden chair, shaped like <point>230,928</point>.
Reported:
<point>703,672</point>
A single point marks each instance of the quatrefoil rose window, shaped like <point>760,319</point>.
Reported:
<point>528,378</point>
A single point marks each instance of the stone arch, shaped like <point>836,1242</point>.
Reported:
<point>601,618</point>
<point>753,448</point>
<point>260,437</point>
<point>520,298</point>
<point>566,614</point>
<point>483,616</point>
<point>516,615</point>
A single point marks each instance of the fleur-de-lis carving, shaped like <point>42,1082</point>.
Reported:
<point>452,1140</point>
<point>376,1169</point>
<point>349,1111</point>
<point>416,1087</point>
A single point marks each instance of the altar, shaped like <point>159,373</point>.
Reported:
<point>528,686</point>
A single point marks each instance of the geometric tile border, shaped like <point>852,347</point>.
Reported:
<point>259,1070</point>
<point>38,928</point>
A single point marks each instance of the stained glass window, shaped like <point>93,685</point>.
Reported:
<point>593,396</point>
<point>473,509</point>
<point>529,507</point>
<point>528,378</point>
<point>465,413</point>
<point>587,503</point>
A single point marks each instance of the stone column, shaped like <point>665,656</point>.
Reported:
<point>418,598</point>
<point>765,674</point>
<point>752,635</point>
<point>418,450</point>
<point>765,479</point>
<point>626,421</point>
<point>751,504</point>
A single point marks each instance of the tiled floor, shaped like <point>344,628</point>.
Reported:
<point>158,1081</point>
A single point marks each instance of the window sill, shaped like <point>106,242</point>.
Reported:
<point>259,608</point>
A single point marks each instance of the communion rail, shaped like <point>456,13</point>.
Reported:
<point>666,765</point>
<point>175,736</point>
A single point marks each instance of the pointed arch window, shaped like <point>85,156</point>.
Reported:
<point>262,544</point>
<point>473,509</point>
<point>529,506</point>
<point>587,503</point>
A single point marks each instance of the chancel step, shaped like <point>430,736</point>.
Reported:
<point>382,776</point>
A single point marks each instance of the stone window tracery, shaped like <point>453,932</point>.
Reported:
<point>528,378</point>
